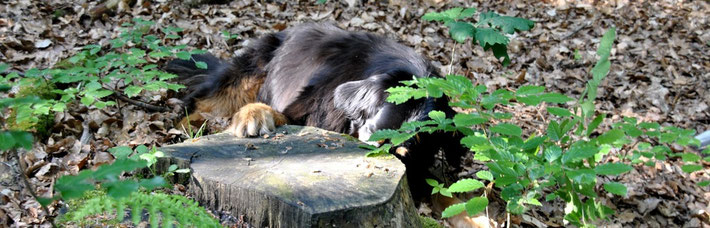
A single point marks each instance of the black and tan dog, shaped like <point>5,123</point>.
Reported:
<point>320,75</point>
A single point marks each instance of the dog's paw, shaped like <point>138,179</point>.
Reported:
<point>255,119</point>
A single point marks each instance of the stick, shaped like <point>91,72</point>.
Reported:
<point>141,104</point>
<point>29,187</point>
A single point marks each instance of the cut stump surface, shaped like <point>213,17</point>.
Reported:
<point>297,177</point>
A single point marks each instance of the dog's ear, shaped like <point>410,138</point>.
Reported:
<point>360,99</point>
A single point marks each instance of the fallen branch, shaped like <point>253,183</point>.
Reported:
<point>141,104</point>
<point>29,186</point>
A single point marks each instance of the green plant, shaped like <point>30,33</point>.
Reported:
<point>229,36</point>
<point>162,208</point>
<point>563,164</point>
<point>189,131</point>
<point>577,55</point>
<point>14,138</point>
<point>488,31</point>
<point>123,69</point>
<point>108,177</point>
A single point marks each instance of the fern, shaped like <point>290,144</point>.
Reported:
<point>162,208</point>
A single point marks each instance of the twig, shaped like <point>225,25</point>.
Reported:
<point>575,30</point>
<point>29,187</point>
<point>451,64</point>
<point>141,104</point>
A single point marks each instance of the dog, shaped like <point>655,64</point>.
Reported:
<point>323,76</point>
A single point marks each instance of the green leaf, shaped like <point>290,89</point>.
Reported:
<point>401,94</point>
<point>381,151</point>
<point>484,175</point>
<point>172,168</point>
<point>23,139</point>
<point>615,188</point>
<point>553,131</point>
<point>506,24</point>
<point>487,37</point>
<point>531,100</point>
<point>689,168</point>
<point>561,112</point>
<point>555,98</point>
<point>611,136</point>
<point>612,169</point>
<point>45,201</point>
<point>120,151</point>
<point>579,151</point>
<point>472,141</point>
<point>594,124</point>
<point>460,31</point>
<point>111,171</point>
<point>476,205</point>
<point>468,12</point>
<point>201,64</point>
<point>507,129</point>
<point>582,176</point>
<point>87,100</point>
<point>74,186</point>
<point>467,120</point>
<point>529,90</point>
<point>465,185</point>
<point>449,15</point>
<point>552,153</point>
<point>533,143</point>
<point>703,183</point>
<point>438,116</point>
<point>7,141</point>
<point>453,210</point>
<point>4,67</point>
<point>120,189</point>
<point>432,182</point>
<point>184,55</point>
<point>132,91</point>
<point>499,51</point>
<point>601,68</point>
<point>383,134</point>
<point>690,157</point>
<point>152,183</point>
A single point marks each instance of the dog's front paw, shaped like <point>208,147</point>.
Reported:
<point>255,119</point>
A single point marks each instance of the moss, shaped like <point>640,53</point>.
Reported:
<point>39,124</point>
<point>428,222</point>
<point>279,185</point>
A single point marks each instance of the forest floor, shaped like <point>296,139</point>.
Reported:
<point>660,72</point>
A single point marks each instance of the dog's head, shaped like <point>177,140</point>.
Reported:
<point>364,102</point>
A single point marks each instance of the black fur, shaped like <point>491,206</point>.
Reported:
<point>320,75</point>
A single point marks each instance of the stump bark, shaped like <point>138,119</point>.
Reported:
<point>297,177</point>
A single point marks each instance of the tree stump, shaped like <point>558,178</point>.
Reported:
<point>297,177</point>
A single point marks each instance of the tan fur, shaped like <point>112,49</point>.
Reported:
<point>228,101</point>
<point>238,102</point>
<point>461,220</point>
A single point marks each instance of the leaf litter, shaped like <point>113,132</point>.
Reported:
<point>660,72</point>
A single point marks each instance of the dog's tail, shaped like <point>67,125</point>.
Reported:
<point>199,81</point>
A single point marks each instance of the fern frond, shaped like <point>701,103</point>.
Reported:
<point>168,210</point>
